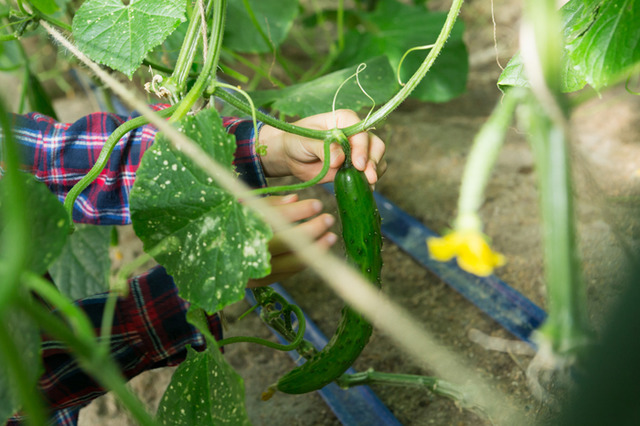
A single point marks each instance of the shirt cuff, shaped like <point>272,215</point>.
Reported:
<point>246,159</point>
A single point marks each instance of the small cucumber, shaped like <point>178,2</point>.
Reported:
<point>362,239</point>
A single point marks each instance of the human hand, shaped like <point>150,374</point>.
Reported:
<point>284,262</point>
<point>289,154</point>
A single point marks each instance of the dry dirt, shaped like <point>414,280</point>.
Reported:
<point>427,148</point>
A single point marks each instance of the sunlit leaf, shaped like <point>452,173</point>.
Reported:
<point>602,44</point>
<point>394,28</point>
<point>274,17</point>
<point>120,35</point>
<point>204,390</point>
<point>316,96</point>
<point>82,269</point>
<point>212,244</point>
<point>605,44</point>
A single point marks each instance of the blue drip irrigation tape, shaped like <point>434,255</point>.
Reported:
<point>510,308</point>
<point>358,406</point>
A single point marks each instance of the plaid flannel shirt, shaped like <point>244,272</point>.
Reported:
<point>150,328</point>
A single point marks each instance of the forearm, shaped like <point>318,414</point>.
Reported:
<point>61,154</point>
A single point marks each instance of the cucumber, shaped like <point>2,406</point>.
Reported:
<point>363,242</point>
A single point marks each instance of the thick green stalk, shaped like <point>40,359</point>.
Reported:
<point>178,80</point>
<point>13,244</point>
<point>546,117</point>
<point>567,325</point>
<point>211,62</point>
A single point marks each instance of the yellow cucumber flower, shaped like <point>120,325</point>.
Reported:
<point>471,249</point>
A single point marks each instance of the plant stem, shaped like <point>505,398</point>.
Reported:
<point>177,82</point>
<point>293,345</point>
<point>301,185</point>
<point>546,117</point>
<point>267,119</point>
<point>210,65</point>
<point>81,325</point>
<point>483,155</point>
<point>13,239</point>
<point>103,158</point>
<point>437,386</point>
<point>27,394</point>
<point>97,363</point>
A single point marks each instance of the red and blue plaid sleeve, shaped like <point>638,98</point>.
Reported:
<point>60,154</point>
<point>150,330</point>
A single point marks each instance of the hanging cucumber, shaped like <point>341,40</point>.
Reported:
<point>362,239</point>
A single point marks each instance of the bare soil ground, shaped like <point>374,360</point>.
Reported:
<point>427,148</point>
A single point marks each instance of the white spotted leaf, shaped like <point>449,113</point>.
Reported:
<point>204,390</point>
<point>212,245</point>
<point>119,35</point>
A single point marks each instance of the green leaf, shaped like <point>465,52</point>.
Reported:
<point>45,6</point>
<point>316,96</point>
<point>214,245</point>
<point>83,267</point>
<point>275,18</point>
<point>602,44</point>
<point>394,28</point>
<point>120,36</point>
<point>204,390</point>
<point>605,42</point>
<point>38,98</point>
<point>49,223</point>
<point>26,336</point>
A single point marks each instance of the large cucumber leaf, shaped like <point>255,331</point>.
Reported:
<point>83,266</point>
<point>602,44</point>
<point>213,244</point>
<point>316,96</point>
<point>274,17</point>
<point>204,390</point>
<point>119,35</point>
<point>394,28</point>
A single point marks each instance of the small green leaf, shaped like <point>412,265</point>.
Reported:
<point>49,224</point>
<point>45,6</point>
<point>214,245</point>
<point>26,336</point>
<point>120,36</point>
<point>38,98</point>
<point>316,96</point>
<point>275,18</point>
<point>204,390</point>
<point>83,267</point>
<point>394,28</point>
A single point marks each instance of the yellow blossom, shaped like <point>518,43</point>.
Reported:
<point>471,250</point>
